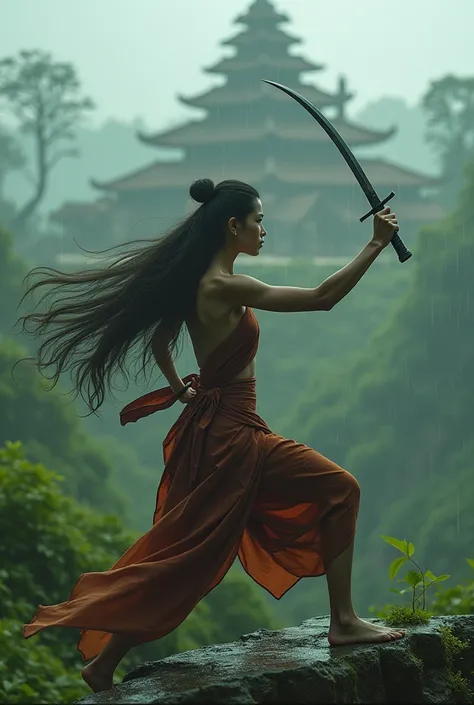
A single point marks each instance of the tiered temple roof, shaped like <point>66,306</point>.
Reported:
<point>262,36</point>
<point>159,175</point>
<point>223,96</point>
<point>199,133</point>
<point>263,63</point>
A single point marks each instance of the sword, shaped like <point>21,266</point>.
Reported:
<point>370,193</point>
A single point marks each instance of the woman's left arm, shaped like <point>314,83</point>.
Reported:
<point>161,353</point>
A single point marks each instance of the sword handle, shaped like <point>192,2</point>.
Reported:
<point>399,246</point>
<point>397,243</point>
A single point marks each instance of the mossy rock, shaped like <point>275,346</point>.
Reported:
<point>434,663</point>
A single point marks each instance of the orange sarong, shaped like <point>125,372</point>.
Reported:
<point>230,487</point>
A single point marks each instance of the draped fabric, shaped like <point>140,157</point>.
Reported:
<point>230,487</point>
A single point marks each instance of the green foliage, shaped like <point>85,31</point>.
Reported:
<point>11,159</point>
<point>400,615</point>
<point>12,271</point>
<point>448,104</point>
<point>52,434</point>
<point>33,673</point>
<point>453,646</point>
<point>397,616</point>
<point>418,580</point>
<point>460,687</point>
<point>455,600</point>
<point>51,541</point>
<point>11,156</point>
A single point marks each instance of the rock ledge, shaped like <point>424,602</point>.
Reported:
<point>297,665</point>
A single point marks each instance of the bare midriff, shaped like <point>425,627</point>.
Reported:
<point>248,372</point>
<point>200,340</point>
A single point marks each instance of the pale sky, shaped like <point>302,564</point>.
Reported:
<point>134,56</point>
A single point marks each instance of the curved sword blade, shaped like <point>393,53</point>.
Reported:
<point>342,146</point>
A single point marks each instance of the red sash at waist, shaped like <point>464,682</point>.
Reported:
<point>149,403</point>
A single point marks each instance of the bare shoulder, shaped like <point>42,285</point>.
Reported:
<point>210,305</point>
<point>217,284</point>
<point>213,319</point>
<point>224,294</point>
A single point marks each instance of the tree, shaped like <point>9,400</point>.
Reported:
<point>44,97</point>
<point>11,156</point>
<point>11,159</point>
<point>449,105</point>
<point>12,271</point>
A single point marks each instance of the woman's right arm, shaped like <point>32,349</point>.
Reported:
<point>241,290</point>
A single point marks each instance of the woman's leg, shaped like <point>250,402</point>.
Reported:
<point>303,524</point>
<point>99,673</point>
<point>346,627</point>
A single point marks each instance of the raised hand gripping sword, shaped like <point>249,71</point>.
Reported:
<point>371,195</point>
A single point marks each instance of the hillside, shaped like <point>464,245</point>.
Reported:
<point>399,415</point>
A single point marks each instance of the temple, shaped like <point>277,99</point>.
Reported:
<point>256,133</point>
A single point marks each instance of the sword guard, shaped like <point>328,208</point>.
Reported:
<point>378,207</point>
<point>397,243</point>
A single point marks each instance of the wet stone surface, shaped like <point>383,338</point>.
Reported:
<point>297,665</point>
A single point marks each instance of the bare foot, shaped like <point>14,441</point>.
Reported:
<point>97,678</point>
<point>358,631</point>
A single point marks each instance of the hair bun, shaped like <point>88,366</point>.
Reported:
<point>202,190</point>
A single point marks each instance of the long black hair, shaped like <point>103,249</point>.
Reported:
<point>98,315</point>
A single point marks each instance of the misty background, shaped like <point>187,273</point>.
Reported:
<point>134,58</point>
<point>381,385</point>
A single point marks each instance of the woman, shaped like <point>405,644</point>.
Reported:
<point>230,485</point>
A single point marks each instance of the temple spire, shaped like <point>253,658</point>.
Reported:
<point>262,12</point>
<point>341,98</point>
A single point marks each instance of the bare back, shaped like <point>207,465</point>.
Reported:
<point>212,323</point>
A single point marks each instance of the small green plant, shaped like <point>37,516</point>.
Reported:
<point>418,581</point>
